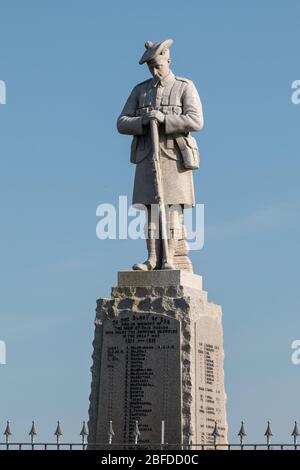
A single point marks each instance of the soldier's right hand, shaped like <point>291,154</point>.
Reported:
<point>155,114</point>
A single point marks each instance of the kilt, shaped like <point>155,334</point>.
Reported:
<point>177,182</point>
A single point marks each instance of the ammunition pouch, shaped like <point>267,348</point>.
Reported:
<point>189,151</point>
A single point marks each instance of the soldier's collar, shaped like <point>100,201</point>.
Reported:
<point>169,78</point>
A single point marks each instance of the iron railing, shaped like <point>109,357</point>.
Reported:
<point>138,444</point>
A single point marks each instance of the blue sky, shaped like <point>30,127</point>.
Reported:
<point>69,67</point>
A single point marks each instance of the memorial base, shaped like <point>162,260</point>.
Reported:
<point>158,361</point>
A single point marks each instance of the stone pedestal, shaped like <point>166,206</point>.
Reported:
<point>158,356</point>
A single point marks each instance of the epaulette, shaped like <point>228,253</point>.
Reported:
<point>182,79</point>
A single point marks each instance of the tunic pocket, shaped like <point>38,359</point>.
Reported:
<point>189,151</point>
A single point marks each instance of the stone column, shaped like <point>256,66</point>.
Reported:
<point>158,356</point>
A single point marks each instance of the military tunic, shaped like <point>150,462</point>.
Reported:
<point>178,99</point>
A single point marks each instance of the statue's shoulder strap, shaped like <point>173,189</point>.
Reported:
<point>177,90</point>
<point>183,79</point>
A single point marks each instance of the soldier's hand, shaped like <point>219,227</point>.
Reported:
<point>157,115</point>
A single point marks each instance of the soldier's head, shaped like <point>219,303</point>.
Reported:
<point>157,57</point>
<point>160,66</point>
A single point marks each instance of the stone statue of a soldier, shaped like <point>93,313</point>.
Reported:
<point>174,105</point>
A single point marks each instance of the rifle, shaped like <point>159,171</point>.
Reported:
<point>159,188</point>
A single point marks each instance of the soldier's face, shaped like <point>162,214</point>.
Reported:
<point>159,67</point>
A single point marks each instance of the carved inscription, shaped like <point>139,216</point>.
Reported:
<point>140,378</point>
<point>209,393</point>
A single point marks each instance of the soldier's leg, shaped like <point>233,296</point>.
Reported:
<point>181,258</point>
<point>153,241</point>
<point>174,216</point>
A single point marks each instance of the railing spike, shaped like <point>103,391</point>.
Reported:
<point>295,433</point>
<point>7,433</point>
<point>242,433</point>
<point>111,433</point>
<point>83,433</point>
<point>32,432</point>
<point>136,433</point>
<point>215,433</point>
<point>58,433</point>
<point>268,433</point>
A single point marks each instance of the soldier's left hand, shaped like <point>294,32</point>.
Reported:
<point>155,114</point>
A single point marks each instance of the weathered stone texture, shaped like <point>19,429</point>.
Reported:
<point>199,362</point>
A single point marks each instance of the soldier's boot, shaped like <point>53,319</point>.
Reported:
<point>153,245</point>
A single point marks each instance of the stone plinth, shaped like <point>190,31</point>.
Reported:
<point>158,356</point>
<point>162,278</point>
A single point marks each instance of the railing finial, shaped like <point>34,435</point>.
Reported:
<point>111,433</point>
<point>58,433</point>
<point>242,433</point>
<point>7,433</point>
<point>136,433</point>
<point>268,433</point>
<point>215,433</point>
<point>32,432</point>
<point>295,433</point>
<point>83,433</point>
